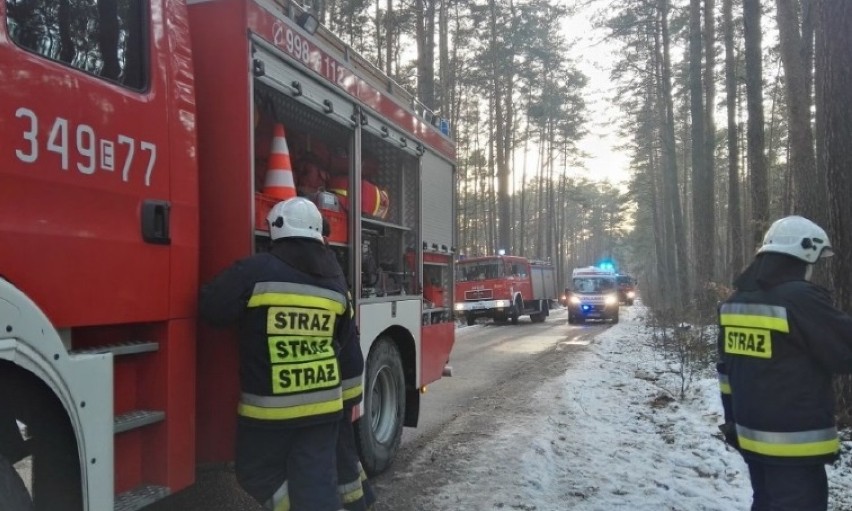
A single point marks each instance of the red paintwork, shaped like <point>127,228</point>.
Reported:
<point>71,241</point>
<point>437,342</point>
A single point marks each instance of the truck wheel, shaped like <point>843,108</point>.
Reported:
<point>615,318</point>
<point>13,493</point>
<point>630,302</point>
<point>571,319</point>
<point>379,430</point>
<point>470,319</point>
<point>517,308</point>
<point>542,315</point>
<point>51,445</point>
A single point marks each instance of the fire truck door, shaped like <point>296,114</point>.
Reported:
<point>83,120</point>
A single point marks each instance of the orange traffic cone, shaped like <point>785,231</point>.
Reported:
<point>279,182</point>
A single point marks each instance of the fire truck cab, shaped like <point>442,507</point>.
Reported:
<point>134,137</point>
<point>504,288</point>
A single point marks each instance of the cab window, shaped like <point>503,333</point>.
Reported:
<point>105,38</point>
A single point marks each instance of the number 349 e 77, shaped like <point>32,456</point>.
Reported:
<point>79,148</point>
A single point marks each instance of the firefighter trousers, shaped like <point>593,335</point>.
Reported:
<point>288,469</point>
<point>354,489</point>
<point>788,487</point>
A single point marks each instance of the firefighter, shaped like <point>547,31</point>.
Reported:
<point>780,341</point>
<point>355,491</point>
<point>295,319</point>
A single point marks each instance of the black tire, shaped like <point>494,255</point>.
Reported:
<point>571,319</point>
<point>51,445</point>
<point>629,302</point>
<point>539,317</point>
<point>13,493</point>
<point>615,318</point>
<point>517,308</point>
<point>470,319</point>
<point>379,430</point>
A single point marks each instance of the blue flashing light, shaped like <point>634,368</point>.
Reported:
<point>606,265</point>
<point>585,307</point>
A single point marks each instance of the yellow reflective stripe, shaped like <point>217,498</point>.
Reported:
<point>754,309</point>
<point>293,288</point>
<point>826,447</point>
<point>293,412</point>
<point>818,442</point>
<point>755,315</point>
<point>319,374</point>
<point>724,383</point>
<point>307,398</point>
<point>352,393</point>
<point>280,500</point>
<point>351,492</point>
<point>765,322</point>
<point>349,301</point>
<point>293,300</point>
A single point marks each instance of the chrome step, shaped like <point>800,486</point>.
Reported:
<point>124,348</point>
<point>137,419</point>
<point>140,497</point>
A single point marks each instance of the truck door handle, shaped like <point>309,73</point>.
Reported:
<point>155,221</point>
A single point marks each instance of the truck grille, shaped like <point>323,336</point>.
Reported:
<point>478,294</point>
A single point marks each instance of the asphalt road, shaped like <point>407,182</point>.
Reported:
<point>495,368</point>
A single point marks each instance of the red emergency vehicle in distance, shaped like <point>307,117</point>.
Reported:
<point>504,288</point>
<point>626,288</point>
<point>131,168</point>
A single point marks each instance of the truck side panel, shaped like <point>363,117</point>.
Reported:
<point>543,282</point>
<point>220,53</point>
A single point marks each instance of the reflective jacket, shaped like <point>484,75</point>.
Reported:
<point>780,340</point>
<point>294,325</point>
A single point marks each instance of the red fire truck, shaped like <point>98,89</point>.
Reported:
<point>133,139</point>
<point>504,288</point>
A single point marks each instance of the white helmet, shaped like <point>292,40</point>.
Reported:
<point>295,218</point>
<point>799,237</point>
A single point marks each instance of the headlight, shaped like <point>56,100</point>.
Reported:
<point>610,300</point>
<point>574,300</point>
<point>460,306</point>
<point>564,298</point>
<point>631,294</point>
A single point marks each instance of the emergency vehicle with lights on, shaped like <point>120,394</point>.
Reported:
<point>133,167</point>
<point>504,288</point>
<point>593,294</point>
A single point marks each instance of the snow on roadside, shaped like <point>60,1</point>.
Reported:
<point>608,435</point>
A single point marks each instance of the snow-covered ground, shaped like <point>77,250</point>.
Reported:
<point>610,436</point>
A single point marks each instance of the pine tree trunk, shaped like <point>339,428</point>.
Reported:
<point>757,164</point>
<point>701,196</point>
<point>834,63</point>
<point>808,185</point>
<point>735,237</point>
